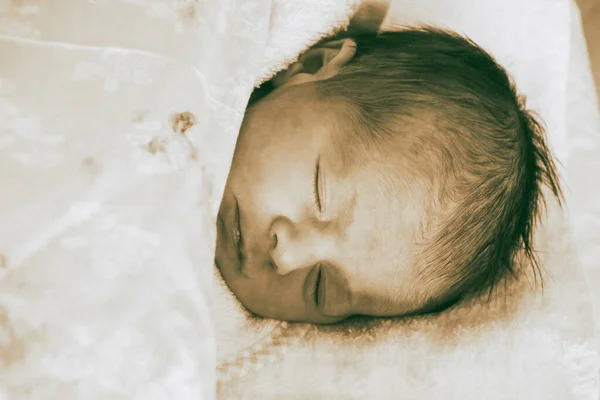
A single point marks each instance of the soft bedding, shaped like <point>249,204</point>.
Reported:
<point>117,124</point>
<point>118,121</point>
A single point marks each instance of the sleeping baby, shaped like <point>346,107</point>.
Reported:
<point>384,174</point>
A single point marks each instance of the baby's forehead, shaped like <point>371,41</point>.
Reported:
<point>350,145</point>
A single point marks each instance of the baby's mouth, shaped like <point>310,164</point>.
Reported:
<point>229,237</point>
<point>237,236</point>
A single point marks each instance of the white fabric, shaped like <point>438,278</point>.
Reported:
<point>107,201</point>
<point>297,25</point>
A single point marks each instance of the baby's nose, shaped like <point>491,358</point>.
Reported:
<point>294,245</point>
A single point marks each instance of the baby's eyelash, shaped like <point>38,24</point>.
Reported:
<point>316,197</point>
<point>317,300</point>
<point>314,294</point>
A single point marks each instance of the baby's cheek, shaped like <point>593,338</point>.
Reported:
<point>251,293</point>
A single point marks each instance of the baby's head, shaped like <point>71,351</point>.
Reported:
<point>384,175</point>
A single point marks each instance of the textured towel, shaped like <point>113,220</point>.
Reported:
<point>298,24</point>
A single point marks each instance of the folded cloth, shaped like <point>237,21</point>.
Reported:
<point>298,24</point>
<point>523,343</point>
<point>118,120</point>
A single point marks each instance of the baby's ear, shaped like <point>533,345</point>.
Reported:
<point>318,63</point>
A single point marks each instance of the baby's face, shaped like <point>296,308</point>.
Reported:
<point>321,237</point>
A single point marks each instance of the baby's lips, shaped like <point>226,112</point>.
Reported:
<point>336,299</point>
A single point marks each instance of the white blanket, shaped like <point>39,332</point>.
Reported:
<point>118,121</point>
<point>117,125</point>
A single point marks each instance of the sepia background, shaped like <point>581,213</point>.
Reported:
<point>590,15</point>
<point>590,10</point>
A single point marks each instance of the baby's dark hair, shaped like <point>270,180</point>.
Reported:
<point>481,151</point>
